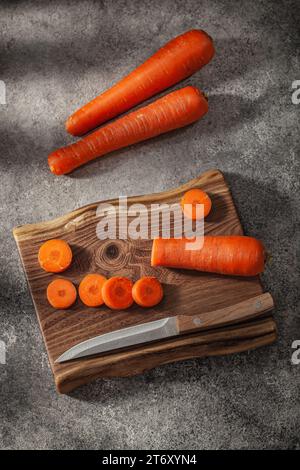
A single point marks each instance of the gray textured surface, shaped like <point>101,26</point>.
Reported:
<point>54,56</point>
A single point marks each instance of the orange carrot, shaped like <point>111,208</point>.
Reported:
<point>177,60</point>
<point>147,292</point>
<point>61,293</point>
<point>90,290</point>
<point>55,256</point>
<point>233,255</point>
<point>117,293</point>
<point>177,109</point>
<point>191,199</point>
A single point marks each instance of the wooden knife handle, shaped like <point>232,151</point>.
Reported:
<point>248,309</point>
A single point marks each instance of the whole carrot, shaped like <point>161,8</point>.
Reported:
<point>233,255</point>
<point>177,109</point>
<point>177,60</point>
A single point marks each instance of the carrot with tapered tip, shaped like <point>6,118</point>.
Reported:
<point>175,110</point>
<point>177,60</point>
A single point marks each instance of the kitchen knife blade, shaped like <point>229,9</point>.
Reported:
<point>168,327</point>
<point>144,333</point>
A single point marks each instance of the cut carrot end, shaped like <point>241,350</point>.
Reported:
<point>61,293</point>
<point>147,292</point>
<point>55,256</point>
<point>90,290</point>
<point>191,199</point>
<point>117,293</point>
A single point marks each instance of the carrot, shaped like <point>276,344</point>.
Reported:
<point>233,255</point>
<point>177,60</point>
<point>177,109</point>
<point>147,292</point>
<point>61,293</point>
<point>55,256</point>
<point>191,199</point>
<point>117,293</point>
<point>90,290</point>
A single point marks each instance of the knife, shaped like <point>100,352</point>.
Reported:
<point>169,327</point>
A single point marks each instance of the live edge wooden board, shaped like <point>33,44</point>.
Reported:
<point>186,292</point>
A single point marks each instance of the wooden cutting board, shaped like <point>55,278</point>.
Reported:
<point>186,292</point>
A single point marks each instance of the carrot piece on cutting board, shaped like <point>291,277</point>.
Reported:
<point>175,110</point>
<point>147,291</point>
<point>191,199</point>
<point>233,255</point>
<point>90,290</point>
<point>177,60</point>
<point>61,293</point>
<point>55,256</point>
<point>117,293</point>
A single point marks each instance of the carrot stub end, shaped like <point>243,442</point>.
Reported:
<point>147,292</point>
<point>90,290</point>
<point>233,255</point>
<point>55,256</point>
<point>61,293</point>
<point>117,293</point>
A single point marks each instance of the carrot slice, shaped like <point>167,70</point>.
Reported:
<point>55,256</point>
<point>147,292</point>
<point>189,202</point>
<point>175,61</point>
<point>90,290</point>
<point>117,293</point>
<point>61,293</point>
<point>177,109</point>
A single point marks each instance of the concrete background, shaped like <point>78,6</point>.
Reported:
<point>54,56</point>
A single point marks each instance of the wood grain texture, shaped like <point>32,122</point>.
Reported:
<point>186,292</point>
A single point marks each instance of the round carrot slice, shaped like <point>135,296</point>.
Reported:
<point>90,290</point>
<point>147,292</point>
<point>61,293</point>
<point>55,256</point>
<point>189,202</point>
<point>117,293</point>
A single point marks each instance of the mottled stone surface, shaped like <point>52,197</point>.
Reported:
<point>54,56</point>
